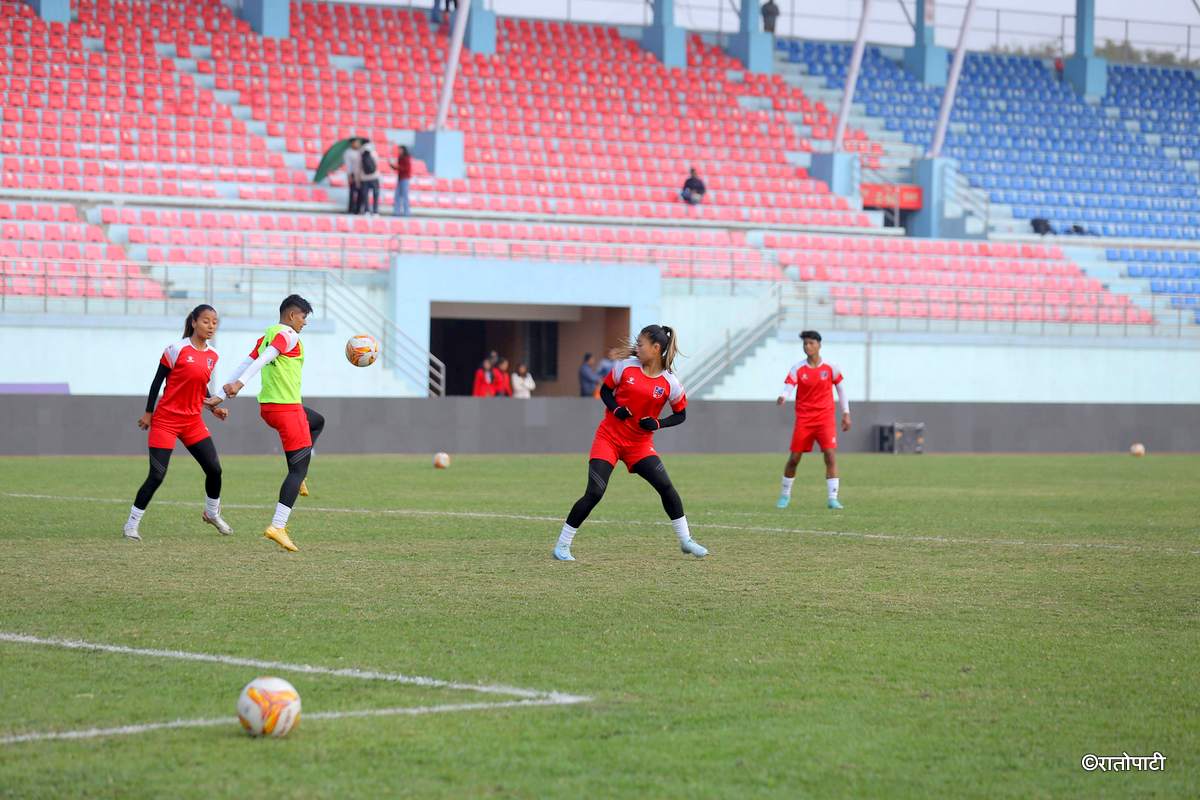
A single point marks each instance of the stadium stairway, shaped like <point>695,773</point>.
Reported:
<point>968,212</point>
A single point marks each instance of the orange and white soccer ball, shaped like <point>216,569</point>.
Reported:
<point>362,350</point>
<point>441,461</point>
<point>269,707</point>
<point>1137,449</point>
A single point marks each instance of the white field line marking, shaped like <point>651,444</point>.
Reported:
<point>529,697</point>
<point>882,537</point>
<point>281,666</point>
<point>127,730</point>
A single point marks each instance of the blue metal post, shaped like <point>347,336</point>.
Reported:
<point>1085,71</point>
<point>751,45</point>
<point>925,60</point>
<point>663,38</point>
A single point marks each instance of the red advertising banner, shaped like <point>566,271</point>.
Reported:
<point>892,195</point>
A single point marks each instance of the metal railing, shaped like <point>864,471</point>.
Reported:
<point>879,307</point>
<point>31,286</point>
<point>347,254</point>
<point>712,365</point>
<point>972,201</point>
<point>891,24</point>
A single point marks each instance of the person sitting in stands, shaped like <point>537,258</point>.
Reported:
<point>693,188</point>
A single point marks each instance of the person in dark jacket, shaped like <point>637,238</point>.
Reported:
<point>770,13</point>
<point>693,188</point>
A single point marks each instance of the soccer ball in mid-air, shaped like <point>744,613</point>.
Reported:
<point>1137,449</point>
<point>362,350</point>
<point>269,707</point>
<point>441,461</point>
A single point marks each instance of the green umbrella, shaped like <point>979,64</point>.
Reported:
<point>333,157</point>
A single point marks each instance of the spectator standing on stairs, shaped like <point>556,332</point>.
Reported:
<point>350,160</point>
<point>770,13</point>
<point>693,188</point>
<point>403,167</point>
<point>368,193</point>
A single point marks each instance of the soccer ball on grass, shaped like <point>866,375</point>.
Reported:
<point>269,707</point>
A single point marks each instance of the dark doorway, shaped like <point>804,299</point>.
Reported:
<point>461,344</point>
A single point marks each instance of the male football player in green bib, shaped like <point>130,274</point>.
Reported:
<point>279,355</point>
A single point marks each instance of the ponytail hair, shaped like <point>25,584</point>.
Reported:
<point>664,337</point>
<point>189,325</point>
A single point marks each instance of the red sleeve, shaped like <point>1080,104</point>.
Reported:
<point>281,343</point>
<point>254,350</point>
<point>680,404</point>
<point>608,379</point>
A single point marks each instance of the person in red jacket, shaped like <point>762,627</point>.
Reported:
<point>503,379</point>
<point>403,167</point>
<point>485,380</point>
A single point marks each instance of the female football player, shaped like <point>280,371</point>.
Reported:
<point>186,366</point>
<point>634,394</point>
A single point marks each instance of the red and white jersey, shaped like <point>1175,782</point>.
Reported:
<point>286,341</point>
<point>642,395</point>
<point>814,391</point>
<point>191,370</point>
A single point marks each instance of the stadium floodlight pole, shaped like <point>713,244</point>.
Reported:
<point>456,40</point>
<point>860,44</point>
<point>960,52</point>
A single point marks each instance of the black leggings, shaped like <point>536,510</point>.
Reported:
<point>205,453</point>
<point>651,468</point>
<point>298,460</point>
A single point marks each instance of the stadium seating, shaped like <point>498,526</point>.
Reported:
<point>45,250</point>
<point>123,119</point>
<point>189,236</point>
<point>1173,274</point>
<point>1030,142</point>
<point>574,129</point>
<point>940,279</point>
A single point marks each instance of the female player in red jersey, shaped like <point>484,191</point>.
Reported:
<point>634,393</point>
<point>186,366</point>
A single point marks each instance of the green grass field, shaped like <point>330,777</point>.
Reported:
<point>968,627</point>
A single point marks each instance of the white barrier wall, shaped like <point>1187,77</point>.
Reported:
<point>121,357</point>
<point>981,369</point>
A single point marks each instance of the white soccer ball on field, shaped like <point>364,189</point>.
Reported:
<point>1137,449</point>
<point>441,461</point>
<point>269,707</point>
<point>362,350</point>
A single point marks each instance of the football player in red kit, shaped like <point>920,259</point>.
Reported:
<point>634,394</point>
<point>813,382</point>
<point>186,366</point>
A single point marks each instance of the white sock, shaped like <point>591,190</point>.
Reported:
<point>567,536</point>
<point>681,529</point>
<point>212,506</point>
<point>282,513</point>
<point>785,488</point>
<point>832,485</point>
<point>135,516</point>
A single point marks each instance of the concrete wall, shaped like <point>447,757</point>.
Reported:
<point>111,356</point>
<point>964,368</point>
<point>52,425</point>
